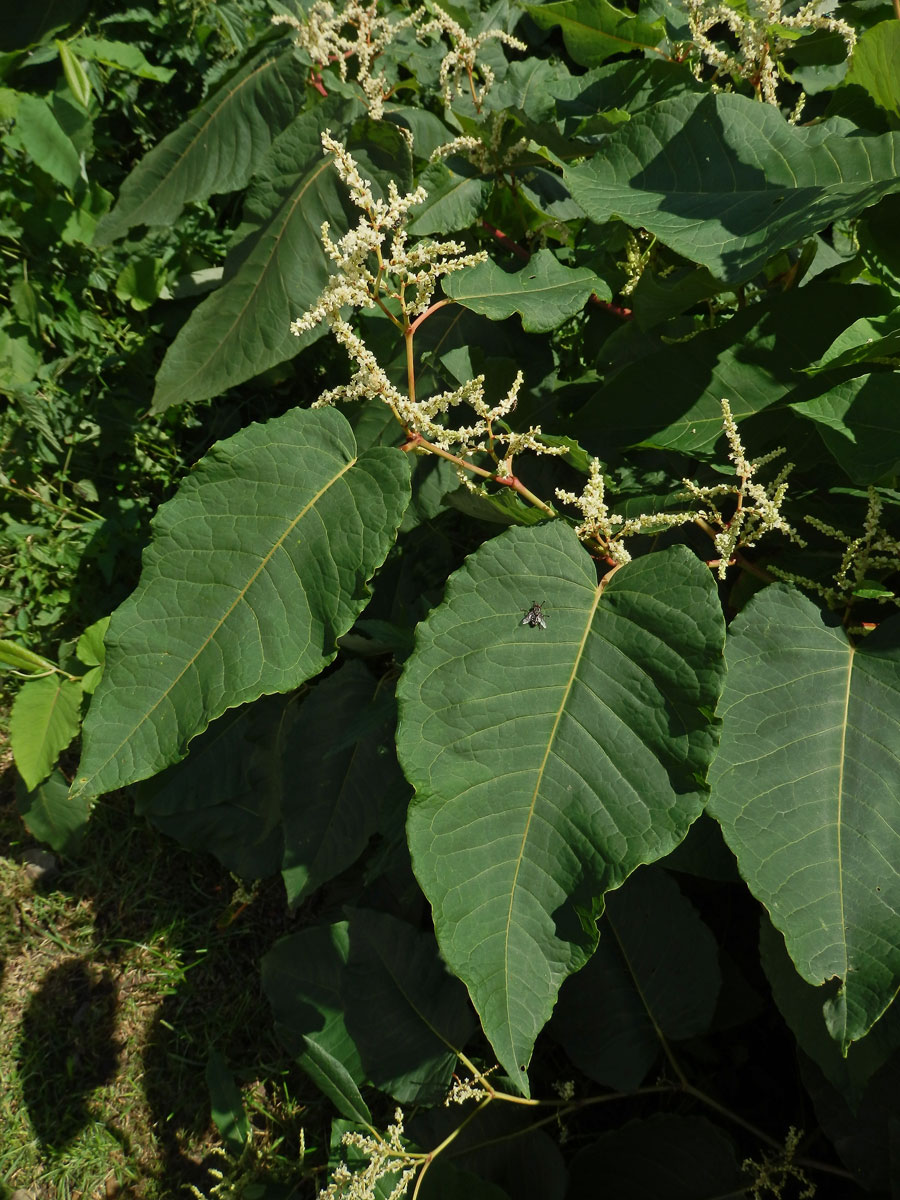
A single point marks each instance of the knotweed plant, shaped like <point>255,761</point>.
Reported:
<point>377,267</point>
<point>867,556</point>
<point>334,36</point>
<point>764,34</point>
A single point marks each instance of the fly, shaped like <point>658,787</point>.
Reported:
<point>535,615</point>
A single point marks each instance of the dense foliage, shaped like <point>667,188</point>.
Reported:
<point>550,653</point>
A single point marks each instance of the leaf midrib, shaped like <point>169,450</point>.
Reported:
<point>208,639</point>
<point>537,787</point>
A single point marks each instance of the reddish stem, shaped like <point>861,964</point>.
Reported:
<point>506,242</point>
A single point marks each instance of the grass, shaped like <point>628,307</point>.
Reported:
<point>118,976</point>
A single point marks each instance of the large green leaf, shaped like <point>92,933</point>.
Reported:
<point>859,422</point>
<point>550,763</point>
<point>227,797</point>
<point>726,182</point>
<point>216,150</point>
<point>458,194</point>
<point>407,1016</point>
<point>374,994</point>
<point>273,276</point>
<point>257,566</point>
<point>52,816</point>
<point>38,131</point>
<point>594,30</point>
<point>673,397</point>
<point>45,717</point>
<point>862,341</point>
<point>805,788</point>
<point>544,292</point>
<point>331,809</point>
<point>801,1006</point>
<point>303,978</point>
<point>654,974</point>
<point>876,65</point>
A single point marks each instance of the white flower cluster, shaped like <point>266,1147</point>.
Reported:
<point>386,1156</point>
<point>486,156</point>
<point>463,57</point>
<point>760,45</point>
<point>607,530</point>
<point>369,274</point>
<point>758,510</point>
<point>464,1090</point>
<point>359,281</point>
<point>322,34</point>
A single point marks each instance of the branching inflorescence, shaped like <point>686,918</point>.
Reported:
<point>764,33</point>
<point>356,30</point>
<point>377,267</point>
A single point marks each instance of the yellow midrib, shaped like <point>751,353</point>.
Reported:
<point>537,787</point>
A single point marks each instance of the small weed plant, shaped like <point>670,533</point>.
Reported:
<point>574,310</point>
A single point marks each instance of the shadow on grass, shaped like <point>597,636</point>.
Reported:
<point>143,1032</point>
<point>67,1048</point>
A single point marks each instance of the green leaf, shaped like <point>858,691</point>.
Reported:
<point>122,55</point>
<point>864,340</point>
<point>273,276</point>
<point>76,76</point>
<point>52,816</point>
<point>303,977</point>
<point>804,789</point>
<point>257,566</point>
<point>672,396</point>
<point>407,1016</point>
<point>227,1108</point>
<point>875,66</point>
<point>681,1158</point>
<point>727,183</point>
<point>40,134</point>
<point>550,763</point>
<point>329,819</point>
<point>655,972</point>
<point>457,196</point>
<point>215,150</point>
<point>92,652</point>
<point>544,293</point>
<point>859,422</point>
<point>594,30</point>
<point>227,797</point>
<point>801,1006</point>
<point>45,716</point>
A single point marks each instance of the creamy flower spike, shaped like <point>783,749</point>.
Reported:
<point>759,43</point>
<point>375,267</point>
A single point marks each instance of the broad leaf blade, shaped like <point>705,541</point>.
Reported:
<point>302,976</point>
<point>804,787</point>
<point>594,30</point>
<point>550,763</point>
<point>407,1016</point>
<point>655,972</point>
<point>45,717</point>
<point>52,816</point>
<point>258,565</point>
<point>544,293</point>
<point>726,182</point>
<point>215,150</point>
<point>876,65</point>
<point>226,797</point>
